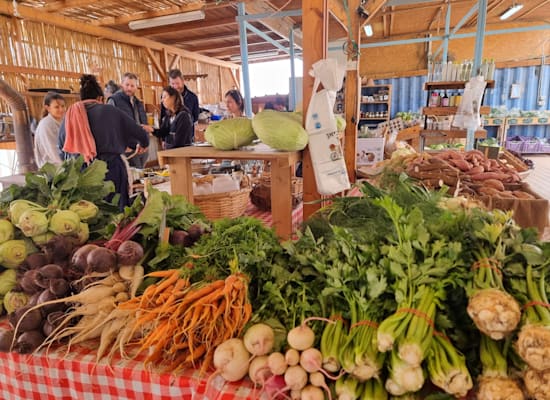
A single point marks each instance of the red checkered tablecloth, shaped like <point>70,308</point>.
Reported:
<point>63,375</point>
<point>265,216</point>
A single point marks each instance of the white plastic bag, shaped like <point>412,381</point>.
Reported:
<point>327,157</point>
<point>467,115</point>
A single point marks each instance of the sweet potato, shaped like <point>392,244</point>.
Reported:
<point>494,183</point>
<point>489,175</point>
<point>520,194</point>
<point>477,169</point>
<point>461,164</point>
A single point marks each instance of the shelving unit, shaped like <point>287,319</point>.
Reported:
<point>375,105</point>
<point>444,134</point>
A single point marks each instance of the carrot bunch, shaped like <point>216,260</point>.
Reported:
<point>186,322</point>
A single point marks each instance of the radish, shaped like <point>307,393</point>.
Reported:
<point>318,379</point>
<point>292,357</point>
<point>231,360</point>
<point>258,371</point>
<point>311,392</point>
<point>277,363</point>
<point>259,339</point>
<point>311,360</point>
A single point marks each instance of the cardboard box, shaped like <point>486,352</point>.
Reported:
<point>370,150</point>
<point>528,213</point>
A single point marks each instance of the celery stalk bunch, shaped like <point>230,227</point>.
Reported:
<point>494,311</point>
<point>447,367</point>
<point>494,383</point>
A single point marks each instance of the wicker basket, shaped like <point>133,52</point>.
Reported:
<point>225,205</point>
<point>261,193</point>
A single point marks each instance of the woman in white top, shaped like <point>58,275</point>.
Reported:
<point>46,148</point>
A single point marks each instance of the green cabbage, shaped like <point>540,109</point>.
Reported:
<point>340,123</point>
<point>33,223</point>
<point>15,300</point>
<point>6,230</point>
<point>65,222</point>
<point>280,130</point>
<point>229,134</point>
<point>7,281</point>
<point>12,253</point>
<point>85,209</point>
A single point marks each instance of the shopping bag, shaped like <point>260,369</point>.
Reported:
<point>467,114</point>
<point>326,152</point>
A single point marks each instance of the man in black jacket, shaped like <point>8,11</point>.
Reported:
<point>125,99</point>
<point>190,99</point>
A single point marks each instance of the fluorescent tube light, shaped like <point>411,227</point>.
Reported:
<point>368,30</point>
<point>511,11</point>
<point>256,56</point>
<point>166,20</point>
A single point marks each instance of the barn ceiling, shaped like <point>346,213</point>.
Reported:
<point>217,35</point>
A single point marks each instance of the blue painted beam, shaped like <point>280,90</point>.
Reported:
<point>275,14</point>
<point>243,41</point>
<point>461,23</point>
<point>480,35</point>
<point>292,97</point>
<point>264,36</point>
<point>457,36</point>
<point>447,30</point>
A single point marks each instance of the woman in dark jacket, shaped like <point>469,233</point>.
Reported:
<point>176,129</point>
<point>100,131</point>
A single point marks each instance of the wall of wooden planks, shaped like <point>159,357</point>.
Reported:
<point>37,54</point>
<point>520,49</point>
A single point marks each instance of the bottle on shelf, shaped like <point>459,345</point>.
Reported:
<point>445,100</point>
<point>491,70</point>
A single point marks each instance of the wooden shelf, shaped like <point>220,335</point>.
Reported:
<point>374,119</point>
<point>451,133</point>
<point>441,111</point>
<point>374,102</point>
<point>452,85</point>
<point>43,94</point>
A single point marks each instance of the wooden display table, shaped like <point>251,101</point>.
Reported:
<point>282,165</point>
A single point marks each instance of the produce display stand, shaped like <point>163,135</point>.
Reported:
<point>282,165</point>
<point>76,375</point>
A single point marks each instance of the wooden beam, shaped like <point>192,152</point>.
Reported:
<point>210,38</point>
<point>352,93</point>
<point>392,21</point>
<point>156,63</point>
<point>315,39</point>
<point>185,26</point>
<point>16,69</point>
<point>436,16</point>
<point>385,24</point>
<point>63,4</point>
<point>234,44</point>
<point>373,8</point>
<point>35,15</point>
<point>473,19</point>
<point>337,11</point>
<point>174,61</point>
<point>124,19</point>
<point>531,10</point>
<point>281,26</point>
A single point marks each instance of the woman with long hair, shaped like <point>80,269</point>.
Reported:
<point>176,128</point>
<point>47,131</point>
<point>96,130</point>
<point>235,103</point>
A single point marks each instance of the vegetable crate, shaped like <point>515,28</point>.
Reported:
<point>261,193</point>
<point>227,204</point>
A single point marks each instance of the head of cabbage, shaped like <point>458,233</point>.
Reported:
<point>230,134</point>
<point>280,130</point>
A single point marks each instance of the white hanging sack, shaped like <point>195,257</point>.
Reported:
<point>326,152</point>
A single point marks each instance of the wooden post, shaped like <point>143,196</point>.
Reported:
<point>352,91</point>
<point>315,39</point>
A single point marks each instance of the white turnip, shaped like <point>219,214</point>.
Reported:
<point>311,360</point>
<point>295,377</point>
<point>318,379</point>
<point>301,338</point>
<point>231,360</point>
<point>311,392</point>
<point>259,339</point>
<point>292,357</point>
<point>277,363</point>
<point>258,370</point>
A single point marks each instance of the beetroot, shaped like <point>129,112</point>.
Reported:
<point>129,253</point>
<point>101,259</point>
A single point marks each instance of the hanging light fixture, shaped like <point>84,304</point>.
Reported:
<point>368,30</point>
<point>511,11</point>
